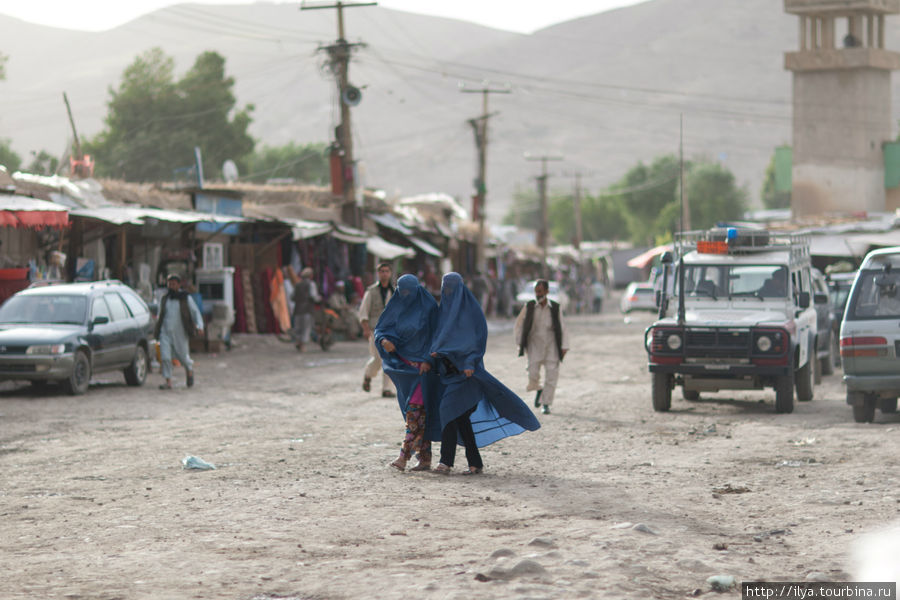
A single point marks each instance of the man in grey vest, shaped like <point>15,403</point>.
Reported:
<point>541,333</point>
<point>373,303</point>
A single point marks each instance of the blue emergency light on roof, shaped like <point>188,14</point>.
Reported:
<point>732,233</point>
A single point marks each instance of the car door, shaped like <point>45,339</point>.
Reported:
<point>805,318</point>
<point>125,337</point>
<point>101,336</point>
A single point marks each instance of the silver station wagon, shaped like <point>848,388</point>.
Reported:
<point>870,336</point>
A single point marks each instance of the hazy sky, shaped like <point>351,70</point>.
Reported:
<point>98,15</point>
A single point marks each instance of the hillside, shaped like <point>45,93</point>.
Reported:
<point>603,91</point>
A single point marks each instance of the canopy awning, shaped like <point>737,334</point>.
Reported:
<point>384,249</point>
<point>391,222</point>
<point>425,246</point>
<point>303,230</point>
<point>22,211</point>
<point>350,235</point>
<point>836,245</point>
<point>641,261</point>
<point>136,215</point>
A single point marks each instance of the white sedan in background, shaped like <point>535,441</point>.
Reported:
<point>638,296</point>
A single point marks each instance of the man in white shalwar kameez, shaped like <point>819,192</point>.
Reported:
<point>541,334</point>
<point>178,318</point>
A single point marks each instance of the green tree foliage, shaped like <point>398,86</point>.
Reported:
<point>645,191</point>
<point>772,198</point>
<point>153,122</point>
<point>302,163</point>
<point>43,164</point>
<point>8,157</point>
<point>525,211</point>
<point>601,218</point>
<point>3,58</point>
<point>713,195</point>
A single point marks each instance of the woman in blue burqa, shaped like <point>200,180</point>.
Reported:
<point>476,409</point>
<point>403,338</point>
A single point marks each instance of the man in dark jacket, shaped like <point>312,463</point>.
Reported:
<point>541,333</point>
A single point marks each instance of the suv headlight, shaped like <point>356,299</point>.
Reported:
<point>46,349</point>
<point>764,343</point>
<point>673,341</point>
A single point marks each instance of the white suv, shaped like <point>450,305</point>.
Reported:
<point>870,336</point>
<point>743,319</point>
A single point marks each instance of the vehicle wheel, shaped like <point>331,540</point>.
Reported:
<point>784,394</point>
<point>326,340</point>
<point>77,383</point>
<point>136,372</point>
<point>888,405</point>
<point>826,366</point>
<point>692,395</point>
<point>805,377</point>
<point>865,411</point>
<point>662,392</point>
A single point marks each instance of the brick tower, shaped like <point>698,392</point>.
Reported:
<point>842,104</point>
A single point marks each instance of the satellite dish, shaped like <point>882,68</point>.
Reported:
<point>230,171</point>
<point>351,96</point>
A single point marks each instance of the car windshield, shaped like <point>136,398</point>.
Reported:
<point>876,296</point>
<point>45,309</point>
<point>729,281</point>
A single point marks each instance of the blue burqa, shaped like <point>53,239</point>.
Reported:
<point>409,321</point>
<point>460,340</point>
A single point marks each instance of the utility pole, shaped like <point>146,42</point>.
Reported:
<point>480,128</point>
<point>576,207</point>
<point>543,228</point>
<point>339,62</point>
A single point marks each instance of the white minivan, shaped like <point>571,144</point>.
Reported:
<point>870,336</point>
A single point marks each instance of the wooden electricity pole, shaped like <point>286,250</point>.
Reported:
<point>543,227</point>
<point>339,62</point>
<point>480,128</point>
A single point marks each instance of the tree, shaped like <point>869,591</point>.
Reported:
<point>771,197</point>
<point>3,58</point>
<point>714,195</point>
<point>43,163</point>
<point>303,163</point>
<point>601,218</point>
<point>525,211</point>
<point>8,157</point>
<point>645,191</point>
<point>153,122</point>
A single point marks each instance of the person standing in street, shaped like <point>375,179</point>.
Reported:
<point>541,333</point>
<point>476,409</point>
<point>304,297</point>
<point>403,337</point>
<point>370,309</point>
<point>179,319</point>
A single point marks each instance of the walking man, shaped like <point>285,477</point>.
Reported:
<point>370,309</point>
<point>541,333</point>
<point>179,319</point>
<point>305,296</point>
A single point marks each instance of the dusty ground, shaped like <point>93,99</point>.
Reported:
<point>94,502</point>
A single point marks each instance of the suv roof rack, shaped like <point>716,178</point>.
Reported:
<point>736,241</point>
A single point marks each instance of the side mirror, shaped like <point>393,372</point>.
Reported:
<point>99,321</point>
<point>668,257</point>
<point>820,298</point>
<point>803,300</point>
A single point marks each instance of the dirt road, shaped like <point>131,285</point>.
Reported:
<point>94,502</point>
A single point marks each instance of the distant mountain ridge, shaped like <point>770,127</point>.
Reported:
<point>603,91</point>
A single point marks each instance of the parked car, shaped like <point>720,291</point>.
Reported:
<point>65,333</point>
<point>825,332</point>
<point>526,293</point>
<point>870,337</point>
<point>839,285</point>
<point>638,296</point>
